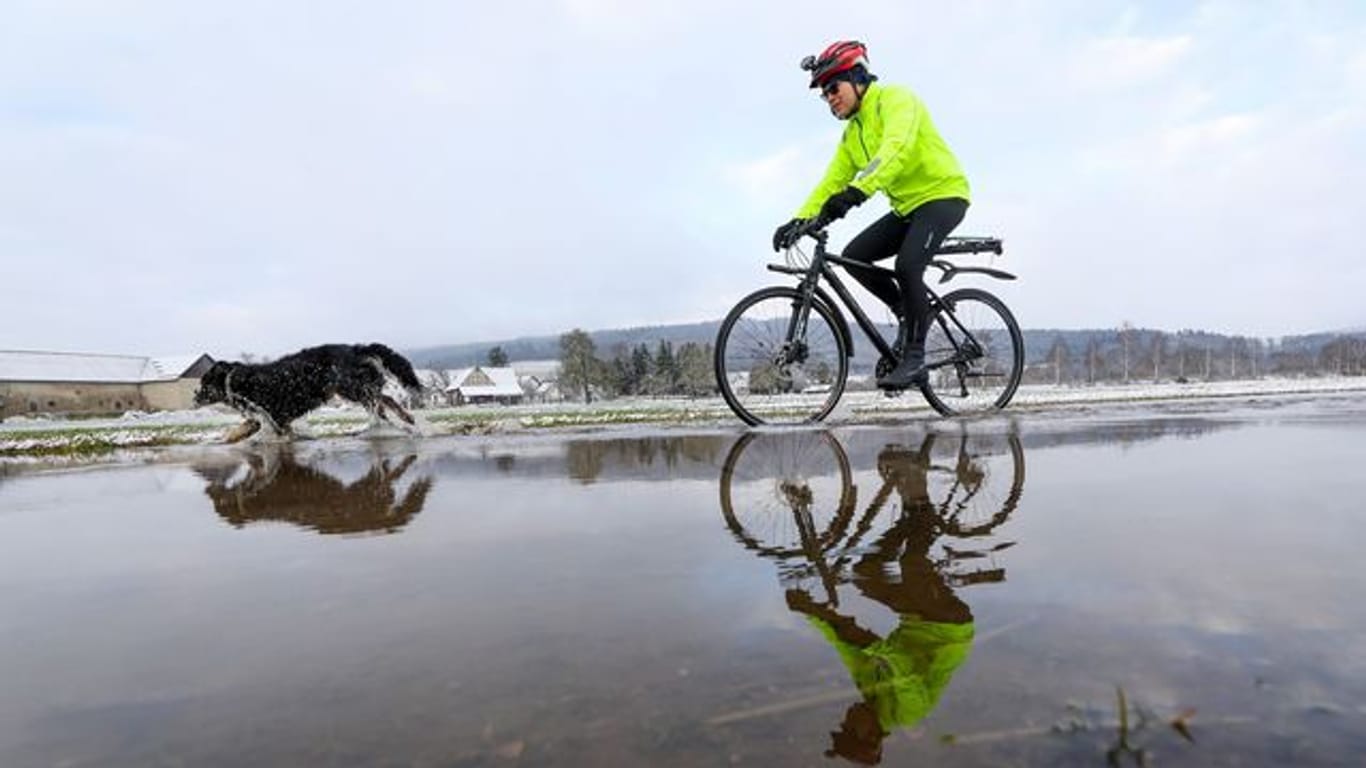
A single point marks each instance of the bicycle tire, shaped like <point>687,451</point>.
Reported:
<point>753,337</point>
<point>978,385</point>
<point>963,518</point>
<point>758,469</point>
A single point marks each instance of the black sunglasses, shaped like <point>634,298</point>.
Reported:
<point>829,88</point>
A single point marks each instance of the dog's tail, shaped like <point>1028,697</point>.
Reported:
<point>395,364</point>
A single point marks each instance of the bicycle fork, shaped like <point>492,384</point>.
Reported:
<point>794,347</point>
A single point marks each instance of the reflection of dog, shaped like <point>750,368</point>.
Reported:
<point>284,390</point>
<point>278,487</point>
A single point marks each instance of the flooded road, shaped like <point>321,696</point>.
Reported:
<point>1171,586</point>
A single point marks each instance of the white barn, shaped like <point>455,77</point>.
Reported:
<point>33,382</point>
<point>484,384</point>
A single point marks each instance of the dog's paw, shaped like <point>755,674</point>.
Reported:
<point>243,431</point>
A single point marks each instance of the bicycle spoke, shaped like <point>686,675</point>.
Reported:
<point>767,378</point>
<point>975,354</point>
<point>786,494</point>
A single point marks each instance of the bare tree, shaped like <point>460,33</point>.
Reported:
<point>695,369</point>
<point>1126,338</point>
<point>1158,351</point>
<point>1095,364</point>
<point>580,368</point>
<point>1060,357</point>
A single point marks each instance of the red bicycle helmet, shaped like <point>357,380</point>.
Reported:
<point>840,56</point>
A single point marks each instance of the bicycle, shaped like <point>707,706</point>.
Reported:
<point>791,497</point>
<point>783,353</point>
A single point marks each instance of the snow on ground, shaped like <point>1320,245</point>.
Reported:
<point>22,436</point>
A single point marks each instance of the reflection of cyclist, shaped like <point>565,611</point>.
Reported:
<point>890,145</point>
<point>902,675</point>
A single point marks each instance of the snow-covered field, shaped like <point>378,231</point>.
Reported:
<point>27,437</point>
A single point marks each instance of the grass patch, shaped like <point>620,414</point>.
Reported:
<point>89,444</point>
<point>95,441</point>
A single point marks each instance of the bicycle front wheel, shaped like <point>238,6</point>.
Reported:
<point>787,494</point>
<point>773,366</point>
<point>974,352</point>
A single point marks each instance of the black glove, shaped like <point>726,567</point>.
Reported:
<point>783,237</point>
<point>839,203</point>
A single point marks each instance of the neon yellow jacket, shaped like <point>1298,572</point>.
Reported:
<point>902,675</point>
<point>891,146</point>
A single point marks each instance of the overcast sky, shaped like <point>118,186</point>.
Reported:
<point>261,176</point>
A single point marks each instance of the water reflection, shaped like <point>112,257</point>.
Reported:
<point>587,460</point>
<point>275,485</point>
<point>929,529</point>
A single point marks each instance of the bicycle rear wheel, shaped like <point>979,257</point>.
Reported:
<point>772,369</point>
<point>975,353</point>
<point>976,482</point>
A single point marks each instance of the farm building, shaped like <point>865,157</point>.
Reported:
<point>74,383</point>
<point>484,385</point>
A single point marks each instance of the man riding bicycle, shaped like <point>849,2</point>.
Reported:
<point>890,145</point>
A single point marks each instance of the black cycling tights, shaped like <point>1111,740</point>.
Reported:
<point>913,239</point>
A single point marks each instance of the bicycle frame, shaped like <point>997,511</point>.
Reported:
<point>821,268</point>
<point>828,560</point>
<point>811,289</point>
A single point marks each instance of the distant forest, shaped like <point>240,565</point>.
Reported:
<point>1128,353</point>
<point>1089,354</point>
<point>1052,355</point>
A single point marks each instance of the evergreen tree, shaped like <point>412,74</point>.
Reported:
<point>641,364</point>
<point>666,370</point>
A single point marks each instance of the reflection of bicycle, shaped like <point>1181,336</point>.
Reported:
<point>790,496</point>
<point>782,354</point>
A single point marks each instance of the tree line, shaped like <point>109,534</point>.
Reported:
<point>633,370</point>
<point>1129,354</point>
<point>1123,354</point>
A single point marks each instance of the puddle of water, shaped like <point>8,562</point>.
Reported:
<point>1143,587</point>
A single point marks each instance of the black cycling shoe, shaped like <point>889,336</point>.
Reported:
<point>908,373</point>
<point>903,332</point>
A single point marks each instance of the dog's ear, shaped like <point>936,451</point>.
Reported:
<point>218,371</point>
<point>212,385</point>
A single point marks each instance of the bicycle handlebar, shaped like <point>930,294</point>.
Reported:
<point>814,229</point>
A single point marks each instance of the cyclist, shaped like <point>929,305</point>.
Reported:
<point>890,145</point>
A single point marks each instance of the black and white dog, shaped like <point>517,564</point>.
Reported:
<point>282,391</point>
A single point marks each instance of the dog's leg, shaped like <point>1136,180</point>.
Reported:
<point>244,430</point>
<point>371,409</point>
<point>392,475</point>
<point>386,401</point>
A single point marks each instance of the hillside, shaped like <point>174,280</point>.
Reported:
<point>1085,352</point>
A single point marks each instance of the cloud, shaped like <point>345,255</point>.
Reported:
<point>626,22</point>
<point>781,179</point>
<point>1119,62</point>
<point>1356,69</point>
<point>471,171</point>
<point>1208,136</point>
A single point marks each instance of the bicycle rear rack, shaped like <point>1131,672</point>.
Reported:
<point>954,244</point>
